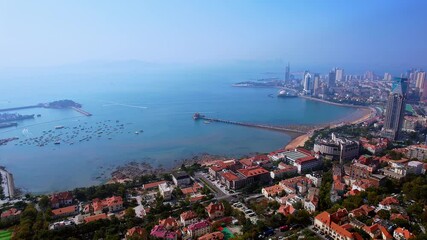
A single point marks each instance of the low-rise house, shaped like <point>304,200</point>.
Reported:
<point>198,229</point>
<point>215,210</point>
<point>285,210</point>
<point>188,218</point>
<point>135,232</point>
<point>181,179</point>
<point>402,234</point>
<point>61,199</point>
<point>111,204</point>
<point>364,210</point>
<point>165,191</point>
<point>212,236</point>
<point>65,211</point>
<point>169,223</point>
<point>315,178</point>
<point>96,217</point>
<point>377,231</point>
<point>11,214</point>
<point>272,191</point>
<point>152,185</point>
<point>333,225</point>
<point>161,232</point>
<point>297,185</point>
<point>387,203</point>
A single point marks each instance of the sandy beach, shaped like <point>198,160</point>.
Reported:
<point>360,115</point>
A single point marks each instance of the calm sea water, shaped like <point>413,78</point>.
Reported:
<point>160,102</point>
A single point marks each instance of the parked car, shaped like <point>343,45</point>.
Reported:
<point>284,228</point>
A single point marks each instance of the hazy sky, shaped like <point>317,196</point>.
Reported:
<point>373,33</point>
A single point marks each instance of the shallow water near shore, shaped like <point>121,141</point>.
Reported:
<point>144,117</point>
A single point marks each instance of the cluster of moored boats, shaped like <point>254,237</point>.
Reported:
<point>70,135</point>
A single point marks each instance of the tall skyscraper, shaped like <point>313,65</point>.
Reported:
<point>316,84</point>
<point>287,73</point>
<point>308,85</point>
<point>331,78</point>
<point>395,108</point>
<point>339,74</point>
<point>420,80</point>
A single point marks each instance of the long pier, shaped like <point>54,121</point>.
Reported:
<point>88,114</point>
<point>263,126</point>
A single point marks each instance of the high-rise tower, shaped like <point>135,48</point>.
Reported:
<point>287,73</point>
<point>395,108</point>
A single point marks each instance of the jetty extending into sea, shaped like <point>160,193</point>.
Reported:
<point>295,129</point>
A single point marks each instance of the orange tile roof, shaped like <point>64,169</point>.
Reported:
<point>253,171</point>
<point>389,201</point>
<point>153,184</point>
<point>95,217</point>
<point>404,232</point>
<point>341,231</point>
<point>229,176</point>
<point>187,191</point>
<point>188,215</point>
<point>64,210</point>
<point>273,190</point>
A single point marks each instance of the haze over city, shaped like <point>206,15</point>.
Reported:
<point>378,35</point>
<point>213,120</point>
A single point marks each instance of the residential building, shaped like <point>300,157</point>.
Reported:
<point>215,210</point>
<point>338,148</point>
<point>112,204</point>
<point>332,225</point>
<point>165,191</point>
<point>284,171</point>
<point>387,203</point>
<point>417,151</point>
<point>377,231</point>
<point>286,209</point>
<point>65,211</point>
<point>95,217</point>
<point>402,234</point>
<point>272,191</point>
<point>169,223</point>
<point>135,232</point>
<point>61,199</point>
<point>181,179</point>
<point>212,236</point>
<point>188,218</point>
<point>11,214</point>
<point>161,232</point>
<point>395,108</point>
<point>199,229</point>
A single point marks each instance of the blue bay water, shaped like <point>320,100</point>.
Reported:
<point>161,103</point>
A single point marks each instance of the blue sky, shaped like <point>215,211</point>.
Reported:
<point>364,33</point>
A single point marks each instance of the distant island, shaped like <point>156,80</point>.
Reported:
<point>61,104</point>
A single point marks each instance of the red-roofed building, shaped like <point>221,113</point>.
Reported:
<point>247,162</point>
<point>307,163</point>
<point>212,236</point>
<point>255,174</point>
<point>377,231</point>
<point>364,210</point>
<point>188,218</point>
<point>65,211</point>
<point>398,216</point>
<point>11,214</point>
<point>284,170</point>
<point>196,230</point>
<point>329,224</point>
<point>95,217</point>
<point>215,210</point>
<point>402,234</point>
<point>272,191</point>
<point>160,232</point>
<point>136,232</point>
<point>232,180</point>
<point>169,223</point>
<point>285,210</point>
<point>61,199</point>
<point>152,185</point>
<point>216,168</point>
<point>387,202</point>
<point>112,204</point>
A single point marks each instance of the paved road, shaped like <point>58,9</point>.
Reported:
<point>218,192</point>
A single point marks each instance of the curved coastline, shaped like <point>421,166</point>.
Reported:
<point>368,113</point>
